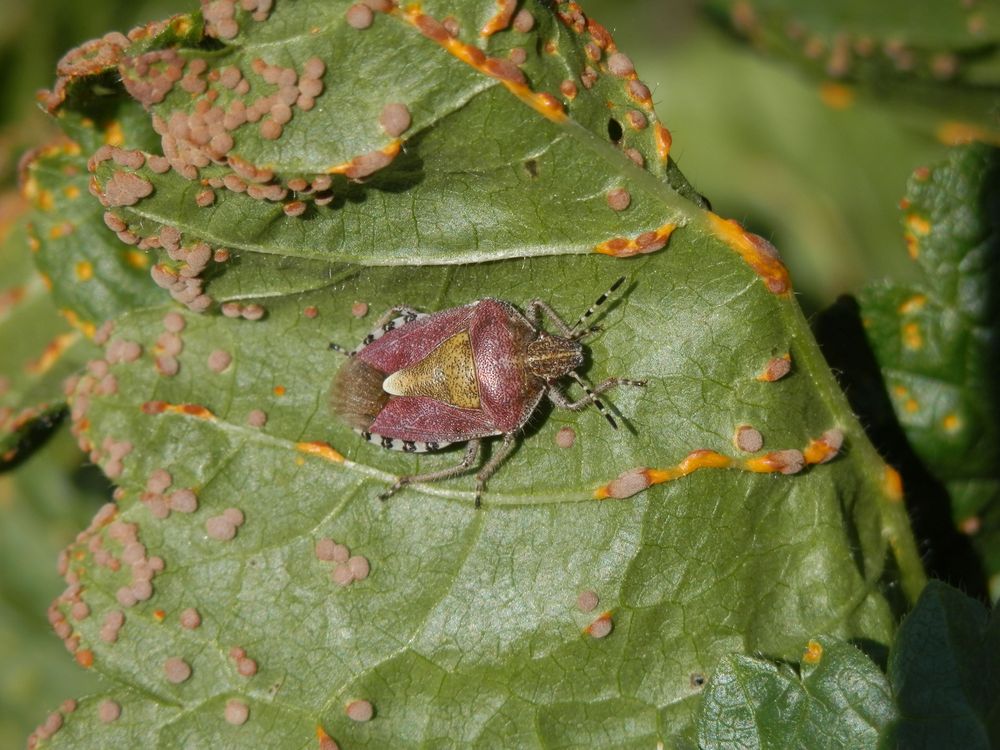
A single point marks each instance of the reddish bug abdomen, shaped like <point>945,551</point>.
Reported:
<point>425,420</point>
<point>498,335</point>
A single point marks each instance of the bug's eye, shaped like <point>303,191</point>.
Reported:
<point>614,130</point>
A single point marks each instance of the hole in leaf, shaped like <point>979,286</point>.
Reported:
<point>532,167</point>
<point>614,130</point>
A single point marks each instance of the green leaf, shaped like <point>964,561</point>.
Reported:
<point>944,666</point>
<point>465,611</point>
<point>837,698</point>
<point>934,62</point>
<point>107,277</point>
<point>539,189</point>
<point>935,339</point>
<point>39,348</point>
<point>42,507</point>
<point>467,630</point>
<point>942,669</point>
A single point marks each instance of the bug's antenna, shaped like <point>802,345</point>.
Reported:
<point>593,396</point>
<point>591,310</point>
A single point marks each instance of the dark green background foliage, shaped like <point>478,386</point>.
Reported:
<point>940,690</point>
<point>936,337</point>
<point>757,609</point>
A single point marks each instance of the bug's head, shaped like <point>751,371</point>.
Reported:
<point>550,357</point>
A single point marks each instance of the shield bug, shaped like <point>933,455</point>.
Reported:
<point>419,382</point>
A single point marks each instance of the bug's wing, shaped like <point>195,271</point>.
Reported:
<point>422,419</point>
<point>404,346</point>
<point>507,393</point>
<point>356,395</point>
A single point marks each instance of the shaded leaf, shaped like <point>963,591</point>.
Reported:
<point>944,669</point>
<point>42,507</point>
<point>764,125</point>
<point>936,339</point>
<point>837,698</point>
<point>936,62</point>
<point>944,688</point>
<point>39,348</point>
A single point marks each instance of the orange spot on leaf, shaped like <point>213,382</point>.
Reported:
<point>85,327</point>
<point>918,224</point>
<point>60,230</point>
<point>365,164</point>
<point>279,390</point>
<point>181,25</point>
<point>189,410</point>
<point>192,410</point>
<point>776,368</point>
<point>824,448</point>
<point>502,70</point>
<point>781,462</point>
<point>10,297</point>
<point>85,658</point>
<point>600,627</point>
<point>836,95</point>
<point>501,19</point>
<point>663,140</point>
<point>53,351</point>
<point>892,484</point>
<point>325,741</point>
<point>757,252</point>
<point>44,200</point>
<point>647,242</point>
<point>113,134</point>
<point>791,461</point>
<point>912,338</point>
<point>321,449</point>
<point>137,259</point>
<point>813,653</point>
<point>84,270</point>
<point>953,133</point>
<point>913,304</point>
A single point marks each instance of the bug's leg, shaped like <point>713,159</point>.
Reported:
<point>491,466</point>
<point>433,476</point>
<point>560,399</point>
<point>574,333</point>
<point>396,311</point>
<point>538,307</point>
<point>404,311</point>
